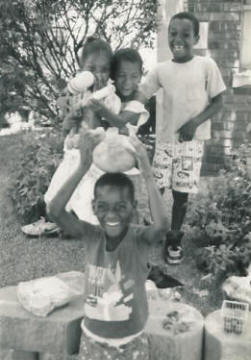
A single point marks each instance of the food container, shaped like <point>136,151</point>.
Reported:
<point>234,315</point>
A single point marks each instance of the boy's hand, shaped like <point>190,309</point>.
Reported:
<point>68,123</point>
<point>99,83</point>
<point>97,106</point>
<point>187,131</point>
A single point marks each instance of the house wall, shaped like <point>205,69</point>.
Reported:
<point>224,44</point>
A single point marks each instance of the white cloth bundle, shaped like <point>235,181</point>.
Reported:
<point>114,153</point>
<point>41,296</point>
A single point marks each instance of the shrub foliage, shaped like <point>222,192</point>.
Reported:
<point>221,218</point>
<point>38,158</point>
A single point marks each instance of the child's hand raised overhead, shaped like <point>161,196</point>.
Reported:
<point>141,154</point>
<point>88,140</point>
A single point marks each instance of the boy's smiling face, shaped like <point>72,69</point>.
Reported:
<point>114,208</point>
<point>181,39</point>
<point>127,78</point>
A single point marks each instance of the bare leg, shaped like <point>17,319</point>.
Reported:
<point>173,251</point>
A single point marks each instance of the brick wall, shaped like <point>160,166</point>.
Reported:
<point>224,39</point>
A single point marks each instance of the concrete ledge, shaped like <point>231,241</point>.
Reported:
<point>164,344</point>
<point>220,345</point>
<point>57,336</point>
<point>57,333</point>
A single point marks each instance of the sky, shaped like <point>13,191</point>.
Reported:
<point>149,57</point>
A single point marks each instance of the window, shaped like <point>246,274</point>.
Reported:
<point>202,43</point>
<point>245,56</point>
<point>242,78</point>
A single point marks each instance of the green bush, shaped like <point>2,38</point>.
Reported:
<point>221,219</point>
<point>38,157</point>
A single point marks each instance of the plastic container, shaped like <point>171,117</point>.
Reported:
<point>234,315</point>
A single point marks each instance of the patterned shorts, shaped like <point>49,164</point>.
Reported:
<point>177,166</point>
<point>137,349</point>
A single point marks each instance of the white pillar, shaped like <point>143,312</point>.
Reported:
<point>166,9</point>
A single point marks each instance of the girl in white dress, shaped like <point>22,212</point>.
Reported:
<point>121,112</point>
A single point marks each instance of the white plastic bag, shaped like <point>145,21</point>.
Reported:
<point>41,296</point>
<point>114,153</point>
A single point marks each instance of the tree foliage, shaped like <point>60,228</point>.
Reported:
<point>41,40</point>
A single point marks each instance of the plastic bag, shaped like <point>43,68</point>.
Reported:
<point>41,296</point>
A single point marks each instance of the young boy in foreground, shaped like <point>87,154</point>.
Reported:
<point>117,252</point>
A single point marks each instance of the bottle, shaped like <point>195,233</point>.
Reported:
<point>81,82</point>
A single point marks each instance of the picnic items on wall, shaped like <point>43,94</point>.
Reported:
<point>227,333</point>
<point>175,330</point>
<point>238,288</point>
<point>234,315</point>
<point>41,296</point>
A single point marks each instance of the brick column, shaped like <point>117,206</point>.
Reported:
<point>166,9</point>
<point>224,40</point>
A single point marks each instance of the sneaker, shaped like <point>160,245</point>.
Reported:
<point>161,279</point>
<point>40,227</point>
<point>173,253</point>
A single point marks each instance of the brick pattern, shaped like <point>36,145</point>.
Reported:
<point>224,42</point>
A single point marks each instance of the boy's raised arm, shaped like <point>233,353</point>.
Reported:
<point>56,208</point>
<point>158,209</point>
<point>117,120</point>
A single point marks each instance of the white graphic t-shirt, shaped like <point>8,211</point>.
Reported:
<point>187,90</point>
<point>115,296</point>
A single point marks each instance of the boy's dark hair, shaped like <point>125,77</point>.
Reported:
<point>115,179</point>
<point>189,16</point>
<point>126,54</point>
<point>95,45</point>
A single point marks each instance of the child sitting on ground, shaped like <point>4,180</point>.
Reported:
<point>115,305</point>
<point>192,94</point>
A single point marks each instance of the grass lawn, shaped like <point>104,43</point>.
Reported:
<point>24,258</point>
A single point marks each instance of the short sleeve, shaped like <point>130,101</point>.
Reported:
<point>150,84</point>
<point>215,83</point>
